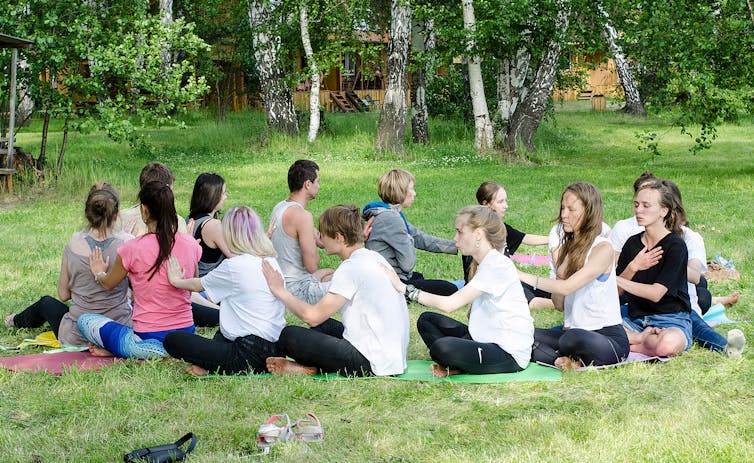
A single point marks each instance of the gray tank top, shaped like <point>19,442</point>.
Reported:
<point>288,249</point>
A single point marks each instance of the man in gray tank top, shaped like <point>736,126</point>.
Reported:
<point>294,237</point>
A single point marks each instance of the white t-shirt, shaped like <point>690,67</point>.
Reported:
<point>375,315</point>
<point>500,315</point>
<point>595,305</point>
<point>626,228</point>
<point>246,304</point>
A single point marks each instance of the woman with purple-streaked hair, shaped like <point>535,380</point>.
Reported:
<point>251,318</point>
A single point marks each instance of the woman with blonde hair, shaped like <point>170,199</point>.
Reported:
<point>251,317</point>
<point>498,337</point>
<point>584,289</point>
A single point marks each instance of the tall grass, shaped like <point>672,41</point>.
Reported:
<point>696,407</point>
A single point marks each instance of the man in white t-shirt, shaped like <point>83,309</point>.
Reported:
<point>372,338</point>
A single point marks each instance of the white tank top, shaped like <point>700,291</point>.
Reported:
<point>288,249</point>
<point>596,304</point>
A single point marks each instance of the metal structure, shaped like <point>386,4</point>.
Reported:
<point>14,43</point>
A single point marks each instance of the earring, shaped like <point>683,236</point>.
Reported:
<point>477,243</point>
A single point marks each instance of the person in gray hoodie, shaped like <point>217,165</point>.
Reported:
<point>396,239</point>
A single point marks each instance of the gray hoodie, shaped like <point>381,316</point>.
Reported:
<point>396,239</point>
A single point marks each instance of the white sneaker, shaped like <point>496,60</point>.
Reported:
<point>736,343</point>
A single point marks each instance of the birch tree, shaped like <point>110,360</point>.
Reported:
<point>391,128</point>
<point>623,67</point>
<point>511,87</point>
<point>483,130</point>
<point>278,100</point>
<point>419,114</point>
<point>528,114</point>
<point>314,73</point>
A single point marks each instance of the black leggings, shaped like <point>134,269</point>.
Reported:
<point>205,316</point>
<point>702,292</point>
<point>604,346</point>
<point>323,347</point>
<point>450,345</point>
<point>220,355</point>
<point>441,287</point>
<point>47,309</point>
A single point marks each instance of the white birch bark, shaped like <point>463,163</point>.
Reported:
<point>278,101</point>
<point>166,17</point>
<point>419,114</point>
<point>483,129</point>
<point>391,128</point>
<point>511,87</point>
<point>623,67</point>
<point>314,90</point>
<point>528,115</point>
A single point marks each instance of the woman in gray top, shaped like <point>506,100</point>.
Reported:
<point>76,282</point>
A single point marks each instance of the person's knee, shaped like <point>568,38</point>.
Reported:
<point>442,348</point>
<point>671,342</point>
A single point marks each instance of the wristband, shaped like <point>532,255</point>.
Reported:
<point>412,293</point>
<point>536,283</point>
<point>99,275</point>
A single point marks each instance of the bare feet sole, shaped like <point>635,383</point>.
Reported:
<point>98,351</point>
<point>567,363</point>
<point>283,366</point>
<point>196,370</point>
<point>442,372</point>
<point>730,300</point>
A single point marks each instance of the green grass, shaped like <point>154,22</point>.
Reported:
<point>696,407</point>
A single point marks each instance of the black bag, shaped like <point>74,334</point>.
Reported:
<point>162,453</point>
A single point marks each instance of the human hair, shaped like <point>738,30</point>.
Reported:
<point>577,243</point>
<point>102,204</point>
<point>680,211</point>
<point>645,176</point>
<point>487,191</point>
<point>392,187</point>
<point>343,219</point>
<point>156,172</point>
<point>672,218</point>
<point>208,191</point>
<point>483,217</point>
<point>301,171</point>
<point>244,233</point>
<point>157,197</point>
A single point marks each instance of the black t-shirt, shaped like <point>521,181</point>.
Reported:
<point>670,272</point>
<point>513,239</point>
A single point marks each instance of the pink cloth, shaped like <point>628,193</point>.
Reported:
<point>158,305</point>
<point>534,260</point>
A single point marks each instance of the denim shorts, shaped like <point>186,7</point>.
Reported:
<point>677,320</point>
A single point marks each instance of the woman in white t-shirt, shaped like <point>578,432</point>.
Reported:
<point>372,336</point>
<point>251,317</point>
<point>499,335</point>
<point>585,289</point>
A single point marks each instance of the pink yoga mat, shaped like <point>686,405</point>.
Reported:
<point>57,362</point>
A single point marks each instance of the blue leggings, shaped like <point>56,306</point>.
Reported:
<point>121,340</point>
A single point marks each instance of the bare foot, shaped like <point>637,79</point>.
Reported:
<point>97,351</point>
<point>283,366</point>
<point>9,321</point>
<point>442,372</point>
<point>727,301</point>
<point>567,363</point>
<point>196,370</point>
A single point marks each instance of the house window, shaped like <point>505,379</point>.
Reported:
<point>349,65</point>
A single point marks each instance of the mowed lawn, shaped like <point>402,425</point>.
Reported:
<point>698,407</point>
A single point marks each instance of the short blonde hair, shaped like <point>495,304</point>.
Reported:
<point>393,185</point>
<point>244,233</point>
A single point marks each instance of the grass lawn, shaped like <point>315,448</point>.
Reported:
<point>693,408</point>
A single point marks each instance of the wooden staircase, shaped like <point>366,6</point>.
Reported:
<point>356,101</point>
<point>341,102</point>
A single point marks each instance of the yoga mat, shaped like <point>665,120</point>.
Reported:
<point>530,259</point>
<point>57,362</point>
<point>632,357</point>
<point>418,370</point>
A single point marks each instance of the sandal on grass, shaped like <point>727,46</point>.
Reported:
<point>309,429</point>
<point>270,434</point>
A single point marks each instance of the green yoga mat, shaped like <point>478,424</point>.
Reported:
<point>418,370</point>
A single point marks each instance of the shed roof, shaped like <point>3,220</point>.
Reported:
<point>8,41</point>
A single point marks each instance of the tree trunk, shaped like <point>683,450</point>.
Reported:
<point>528,114</point>
<point>391,128</point>
<point>511,88</point>
<point>314,90</point>
<point>63,146</point>
<point>483,130</point>
<point>633,99</point>
<point>166,17</point>
<point>40,165</point>
<point>278,100</point>
<point>419,117</point>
